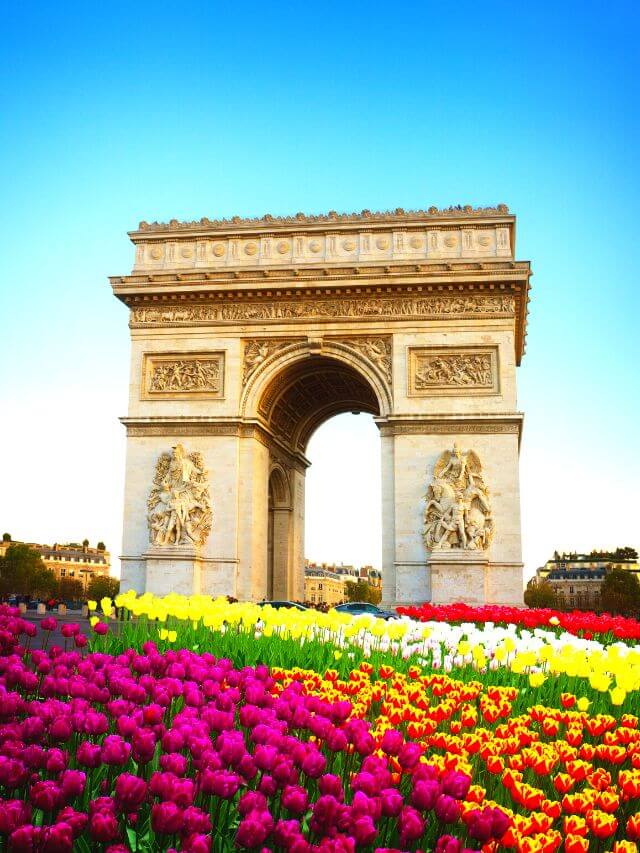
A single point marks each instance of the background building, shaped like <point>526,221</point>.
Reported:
<point>577,578</point>
<point>322,586</point>
<point>73,561</point>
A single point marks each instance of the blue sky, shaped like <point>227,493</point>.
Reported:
<point>123,112</point>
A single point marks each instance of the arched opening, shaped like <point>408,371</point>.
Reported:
<point>278,536</point>
<point>309,392</point>
<point>343,519</point>
<point>296,400</point>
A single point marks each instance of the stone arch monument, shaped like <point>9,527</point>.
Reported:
<point>247,334</point>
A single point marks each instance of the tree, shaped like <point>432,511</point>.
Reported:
<point>70,589</point>
<point>44,583</point>
<point>18,569</point>
<point>85,543</point>
<point>6,537</point>
<point>103,586</point>
<point>620,592</point>
<point>539,594</point>
<point>101,546</point>
<point>362,591</point>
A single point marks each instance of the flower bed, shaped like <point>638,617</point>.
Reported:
<point>551,660</point>
<point>159,748</point>
<point>578,622</point>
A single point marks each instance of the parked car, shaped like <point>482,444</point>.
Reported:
<point>357,608</point>
<point>278,605</point>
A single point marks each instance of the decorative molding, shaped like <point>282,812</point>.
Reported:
<point>173,375</point>
<point>451,427</point>
<point>331,218</point>
<point>441,371</point>
<point>376,350</point>
<point>327,309</point>
<point>194,427</point>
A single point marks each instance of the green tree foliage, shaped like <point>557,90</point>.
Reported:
<point>85,543</point>
<point>23,572</point>
<point>103,586</point>
<point>6,537</point>
<point>620,592</point>
<point>69,589</point>
<point>101,546</point>
<point>362,591</point>
<point>539,594</point>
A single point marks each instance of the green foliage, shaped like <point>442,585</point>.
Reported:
<point>101,546</point>
<point>620,592</point>
<point>85,543</point>
<point>103,586</point>
<point>23,572</point>
<point>6,537</point>
<point>539,594</point>
<point>70,589</point>
<point>362,591</point>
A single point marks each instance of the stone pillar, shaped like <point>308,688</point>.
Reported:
<point>388,521</point>
<point>296,568</point>
<point>411,573</point>
<point>459,576</point>
<point>173,568</point>
<point>253,519</point>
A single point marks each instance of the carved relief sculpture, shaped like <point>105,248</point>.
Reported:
<point>257,351</point>
<point>179,504</point>
<point>453,371</point>
<point>375,350</point>
<point>435,306</point>
<point>170,375</point>
<point>458,510</point>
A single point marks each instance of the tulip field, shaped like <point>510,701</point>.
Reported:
<point>200,725</point>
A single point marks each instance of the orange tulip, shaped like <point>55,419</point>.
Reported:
<point>633,826</point>
<point>601,824</point>
<point>574,825</point>
<point>576,844</point>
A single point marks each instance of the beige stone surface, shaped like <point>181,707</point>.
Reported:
<point>260,330</point>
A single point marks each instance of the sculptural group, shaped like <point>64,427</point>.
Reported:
<point>458,511</point>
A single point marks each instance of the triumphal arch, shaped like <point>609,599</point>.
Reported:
<point>247,334</point>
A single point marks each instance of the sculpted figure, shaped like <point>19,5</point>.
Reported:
<point>457,513</point>
<point>179,508</point>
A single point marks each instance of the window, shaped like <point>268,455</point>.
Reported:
<point>71,573</point>
<point>63,572</point>
<point>319,586</point>
<point>570,589</point>
<point>313,598</point>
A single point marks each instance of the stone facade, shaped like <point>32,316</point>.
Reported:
<point>248,334</point>
<point>323,587</point>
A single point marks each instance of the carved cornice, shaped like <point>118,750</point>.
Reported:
<point>198,427</point>
<point>454,424</point>
<point>443,271</point>
<point>332,219</point>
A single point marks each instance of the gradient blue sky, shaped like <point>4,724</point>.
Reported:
<point>123,112</point>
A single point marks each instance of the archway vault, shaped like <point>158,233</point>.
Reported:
<point>294,393</point>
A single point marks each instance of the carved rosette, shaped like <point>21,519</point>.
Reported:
<point>257,351</point>
<point>377,350</point>
<point>179,504</point>
<point>457,513</point>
